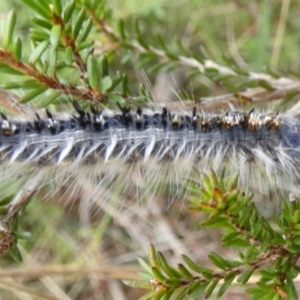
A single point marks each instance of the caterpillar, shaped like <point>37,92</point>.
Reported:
<point>94,154</point>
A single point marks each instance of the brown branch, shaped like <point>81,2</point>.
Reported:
<point>263,260</point>
<point>281,87</point>
<point>68,41</point>
<point>50,82</point>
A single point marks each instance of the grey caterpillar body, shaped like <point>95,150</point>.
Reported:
<point>94,154</point>
<point>161,135</point>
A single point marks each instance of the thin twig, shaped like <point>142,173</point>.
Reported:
<point>279,87</point>
<point>50,82</point>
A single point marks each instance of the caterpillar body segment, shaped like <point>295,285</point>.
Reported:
<point>92,155</point>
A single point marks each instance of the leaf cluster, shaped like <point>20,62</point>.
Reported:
<point>62,64</point>
<point>264,252</point>
<point>73,43</point>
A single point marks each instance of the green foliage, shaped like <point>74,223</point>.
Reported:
<point>271,253</point>
<point>61,57</point>
<point>66,56</point>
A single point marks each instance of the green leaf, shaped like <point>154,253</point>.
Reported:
<point>38,7</point>
<point>296,216</point>
<point>139,36</point>
<point>267,275</point>
<point>115,81</point>
<point>296,239</point>
<point>122,30</point>
<point>69,9</point>
<point>158,66</point>
<point>185,272</point>
<point>232,196</point>
<point>3,210</point>
<point>158,275</point>
<point>257,229</point>
<point>54,41</point>
<point>127,45</point>
<point>234,263</point>
<point>238,243</point>
<point>15,253</point>
<point>114,98</point>
<point>278,263</point>
<point>52,62</point>
<point>293,249</point>
<point>207,185</point>
<point>78,24</point>
<point>171,55</point>
<point>265,84</point>
<point>5,200</point>
<point>168,294</point>
<point>244,277</point>
<point>218,261</point>
<point>9,70</point>
<point>277,238</point>
<point>38,51</point>
<point>126,58</point>
<point>38,35</point>
<point>141,42</point>
<point>69,55</point>
<point>148,296</point>
<point>211,288</point>
<point>171,272</point>
<point>42,23</point>
<point>153,257</point>
<point>291,289</point>
<point>256,293</point>
<point>57,6</point>
<point>161,42</point>
<point>287,263</point>
<point>181,293</point>
<point>160,293</point>
<point>104,66</point>
<point>32,94</point>
<point>84,45</point>
<point>208,275</point>
<point>85,31</point>
<point>23,235</point>
<point>214,179</point>
<point>25,84</point>
<point>182,50</point>
<point>145,61</point>
<point>141,284</point>
<point>105,84</point>
<point>193,266</point>
<point>145,276</point>
<point>217,222</point>
<point>226,284</point>
<point>240,71</point>
<point>197,289</point>
<point>144,265</point>
<point>17,49</point>
<point>48,100</point>
<point>92,72</point>
<point>227,237</point>
<point>125,89</point>
<point>55,36</point>
<point>173,282</point>
<point>8,29</point>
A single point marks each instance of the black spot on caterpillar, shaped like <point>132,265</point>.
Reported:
<point>96,154</point>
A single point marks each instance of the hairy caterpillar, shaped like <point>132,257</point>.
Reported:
<point>93,155</point>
